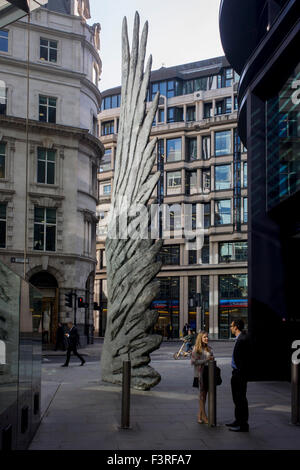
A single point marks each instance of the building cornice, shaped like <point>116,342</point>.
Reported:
<point>57,70</point>
<point>82,135</point>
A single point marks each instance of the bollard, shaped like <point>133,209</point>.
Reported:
<point>125,412</point>
<point>295,383</point>
<point>212,394</point>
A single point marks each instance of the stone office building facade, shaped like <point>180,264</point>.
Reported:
<point>202,163</point>
<point>52,213</point>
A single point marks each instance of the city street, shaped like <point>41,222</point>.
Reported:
<point>80,412</point>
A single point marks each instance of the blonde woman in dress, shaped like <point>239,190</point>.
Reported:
<point>201,355</point>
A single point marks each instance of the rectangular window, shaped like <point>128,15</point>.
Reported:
<point>233,286</point>
<point>205,251</point>
<point>175,114</point>
<point>171,89</point>
<point>191,113</point>
<point>228,77</point>
<point>222,177</point>
<point>208,110</point>
<point>2,160</point>
<point>46,166</point>
<point>173,150</point>
<point>105,162</point>
<point>170,255</point>
<point>206,180</point>
<point>245,210</point>
<point>3,40</point>
<point>201,84</point>
<point>191,149</point>
<point>190,182</point>
<point>235,102</point>
<point>245,177</point>
<point>109,102</point>
<point>233,251</point>
<point>104,189</point>
<point>207,215</point>
<point>48,50</point>
<point>44,229</point>
<point>161,115</point>
<point>47,109</point>
<point>174,182</point>
<point>3,98</point>
<point>192,256</point>
<point>2,225</point>
<point>222,143</point>
<point>107,128</point>
<point>223,212</point>
<point>188,87</point>
<point>228,105</point>
<point>206,147</point>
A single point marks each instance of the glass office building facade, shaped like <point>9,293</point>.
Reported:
<point>269,126</point>
<point>20,360</point>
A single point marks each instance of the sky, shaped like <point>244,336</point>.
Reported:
<point>180,31</point>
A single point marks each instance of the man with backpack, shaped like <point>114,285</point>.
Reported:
<point>73,341</point>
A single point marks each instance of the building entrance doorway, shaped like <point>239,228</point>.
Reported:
<point>48,287</point>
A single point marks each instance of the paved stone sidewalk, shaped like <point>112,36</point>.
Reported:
<point>80,412</point>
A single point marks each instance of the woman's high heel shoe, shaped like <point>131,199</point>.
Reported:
<point>200,420</point>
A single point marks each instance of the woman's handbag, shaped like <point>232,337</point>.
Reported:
<point>196,382</point>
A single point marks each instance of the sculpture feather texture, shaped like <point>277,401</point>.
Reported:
<point>131,261</point>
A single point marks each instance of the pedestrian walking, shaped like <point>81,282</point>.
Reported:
<point>73,341</point>
<point>202,353</point>
<point>60,338</point>
<point>240,371</point>
<point>169,331</point>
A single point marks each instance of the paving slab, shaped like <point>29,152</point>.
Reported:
<point>82,412</point>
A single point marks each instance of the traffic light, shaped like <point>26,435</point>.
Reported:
<point>81,303</point>
<point>69,300</point>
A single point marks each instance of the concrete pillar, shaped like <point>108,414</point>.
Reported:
<point>184,112</point>
<point>199,151</point>
<point>183,153</point>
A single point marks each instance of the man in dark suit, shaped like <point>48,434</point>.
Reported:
<point>240,374</point>
<point>73,340</point>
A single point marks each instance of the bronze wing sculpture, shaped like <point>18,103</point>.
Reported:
<point>131,260</point>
